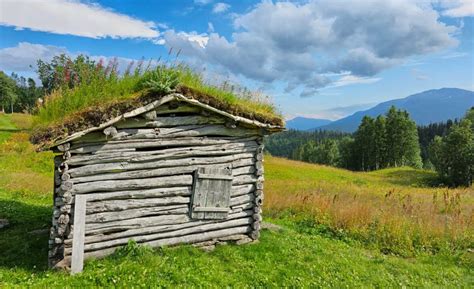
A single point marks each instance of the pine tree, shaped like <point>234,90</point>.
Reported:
<point>457,164</point>
<point>347,155</point>
<point>380,143</point>
<point>403,148</point>
<point>364,144</point>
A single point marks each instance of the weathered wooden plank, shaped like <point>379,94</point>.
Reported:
<point>243,199</point>
<point>120,205</point>
<point>159,193</point>
<point>214,177</point>
<point>237,119</point>
<point>77,261</point>
<point>171,132</point>
<point>153,229</point>
<point>135,213</point>
<point>179,109</point>
<point>135,223</point>
<point>130,114</point>
<point>117,185</point>
<point>138,194</point>
<point>211,210</point>
<point>165,121</point>
<point>189,239</point>
<point>81,148</point>
<point>240,167</point>
<point>211,190</point>
<point>173,234</point>
<point>125,166</point>
<point>244,179</point>
<point>138,157</point>
<point>162,153</point>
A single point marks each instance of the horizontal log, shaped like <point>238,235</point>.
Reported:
<point>117,185</point>
<point>135,213</point>
<point>125,166</point>
<point>139,194</point>
<point>242,190</point>
<point>154,229</point>
<point>135,223</point>
<point>159,192</point>
<point>244,179</point>
<point>179,109</point>
<point>139,156</point>
<point>172,132</point>
<point>243,207</point>
<point>187,239</point>
<point>240,200</point>
<point>164,121</point>
<point>248,170</point>
<point>148,173</point>
<point>82,148</point>
<point>239,195</point>
<point>121,205</point>
<point>173,234</point>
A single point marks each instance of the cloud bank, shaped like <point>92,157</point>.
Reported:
<point>301,44</point>
<point>73,18</point>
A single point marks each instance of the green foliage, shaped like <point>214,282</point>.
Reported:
<point>8,94</point>
<point>290,143</point>
<point>387,141</point>
<point>325,152</point>
<point>64,72</point>
<point>161,80</point>
<point>402,144</point>
<point>18,93</point>
<point>453,155</point>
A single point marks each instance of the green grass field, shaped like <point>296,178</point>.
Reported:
<point>340,229</point>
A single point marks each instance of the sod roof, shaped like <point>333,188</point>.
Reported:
<point>99,116</point>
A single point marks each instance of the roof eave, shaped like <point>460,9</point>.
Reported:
<point>268,128</point>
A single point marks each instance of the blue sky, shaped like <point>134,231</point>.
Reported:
<point>317,58</point>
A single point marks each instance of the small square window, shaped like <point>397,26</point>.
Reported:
<point>211,193</point>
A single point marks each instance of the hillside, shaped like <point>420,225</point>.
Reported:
<point>340,229</point>
<point>426,107</point>
<point>305,123</point>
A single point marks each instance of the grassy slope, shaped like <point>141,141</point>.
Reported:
<point>297,256</point>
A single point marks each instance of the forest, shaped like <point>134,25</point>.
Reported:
<point>390,140</point>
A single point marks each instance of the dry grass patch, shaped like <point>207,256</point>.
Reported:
<point>377,208</point>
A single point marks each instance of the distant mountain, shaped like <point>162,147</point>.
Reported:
<point>305,123</point>
<point>424,108</point>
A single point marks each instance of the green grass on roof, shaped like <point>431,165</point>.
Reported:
<point>68,110</point>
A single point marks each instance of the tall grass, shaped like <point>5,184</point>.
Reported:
<point>232,94</point>
<point>99,84</point>
<point>377,209</point>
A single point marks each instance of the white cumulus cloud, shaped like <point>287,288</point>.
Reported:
<point>220,7</point>
<point>73,18</point>
<point>458,8</point>
<point>302,44</point>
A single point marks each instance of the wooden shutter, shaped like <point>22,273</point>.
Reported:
<point>211,193</point>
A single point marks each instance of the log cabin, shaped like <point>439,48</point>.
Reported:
<point>175,170</point>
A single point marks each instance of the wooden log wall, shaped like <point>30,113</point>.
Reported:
<point>138,178</point>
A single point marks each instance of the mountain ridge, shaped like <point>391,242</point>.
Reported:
<point>306,123</point>
<point>426,107</point>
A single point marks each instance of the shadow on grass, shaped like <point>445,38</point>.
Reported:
<point>24,243</point>
<point>414,178</point>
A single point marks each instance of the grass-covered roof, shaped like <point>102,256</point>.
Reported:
<point>92,95</point>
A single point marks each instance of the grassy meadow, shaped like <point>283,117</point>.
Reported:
<point>388,228</point>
